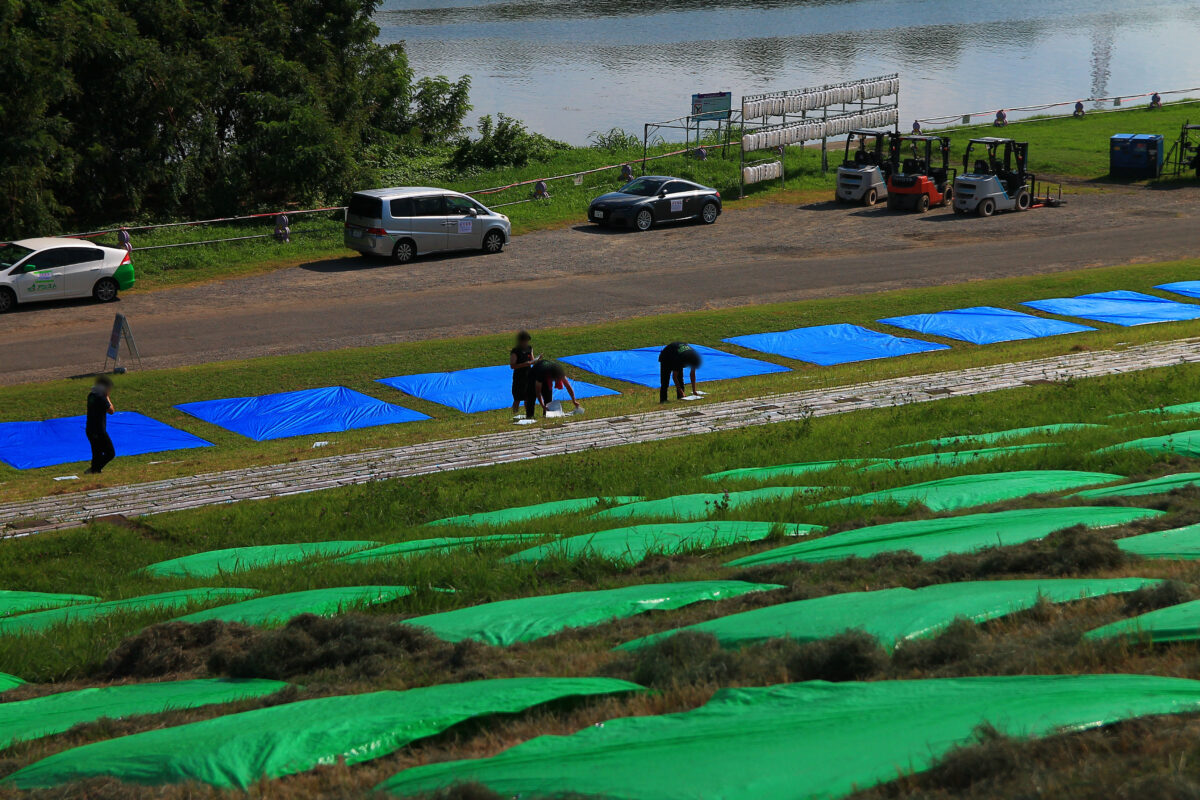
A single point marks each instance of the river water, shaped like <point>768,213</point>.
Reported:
<point>570,67</point>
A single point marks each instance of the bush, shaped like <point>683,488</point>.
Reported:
<point>614,139</point>
<point>504,142</point>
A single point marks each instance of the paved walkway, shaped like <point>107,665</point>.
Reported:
<point>256,483</point>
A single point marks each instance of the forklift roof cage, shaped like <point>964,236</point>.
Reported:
<point>864,157</point>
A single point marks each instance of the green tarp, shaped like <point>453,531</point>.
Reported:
<point>441,544</point>
<point>1182,543</point>
<point>965,491</point>
<point>1179,408</point>
<point>803,740</point>
<point>241,559</point>
<point>9,681</point>
<point>507,516</point>
<point>18,602</point>
<point>699,506</point>
<point>893,615</point>
<point>238,750</point>
<point>1000,436</point>
<point>631,545</point>
<point>164,601</point>
<point>1179,623</point>
<point>934,538</point>
<point>527,618</point>
<point>1185,443</point>
<point>277,609</point>
<point>43,716</point>
<point>763,474</point>
<point>1167,483</point>
<point>956,458</point>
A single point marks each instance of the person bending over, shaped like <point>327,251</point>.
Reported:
<point>519,360</point>
<point>544,377</point>
<point>99,406</point>
<point>671,361</point>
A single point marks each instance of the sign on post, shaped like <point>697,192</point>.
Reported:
<point>712,105</point>
<point>120,330</point>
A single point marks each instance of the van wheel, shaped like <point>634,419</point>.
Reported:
<point>493,242</point>
<point>1024,200</point>
<point>644,220</point>
<point>986,208</point>
<point>8,300</point>
<point>105,290</point>
<point>922,204</point>
<point>871,197</point>
<point>404,251</point>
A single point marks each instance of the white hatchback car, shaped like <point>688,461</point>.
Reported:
<point>58,268</point>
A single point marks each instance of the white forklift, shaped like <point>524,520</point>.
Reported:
<point>997,180</point>
<point>862,177</point>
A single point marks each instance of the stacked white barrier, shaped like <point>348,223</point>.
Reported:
<point>762,172</point>
<point>808,131</point>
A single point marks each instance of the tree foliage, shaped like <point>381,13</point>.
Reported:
<point>504,142</point>
<point>123,109</point>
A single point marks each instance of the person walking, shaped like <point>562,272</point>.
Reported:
<point>671,361</point>
<point>544,377</point>
<point>99,406</point>
<point>520,358</point>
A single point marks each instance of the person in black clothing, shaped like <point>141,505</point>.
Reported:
<point>519,360</point>
<point>671,361</point>
<point>544,376</point>
<point>99,406</point>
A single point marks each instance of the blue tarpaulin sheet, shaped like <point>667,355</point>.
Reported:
<point>1118,308</point>
<point>834,344</point>
<point>275,416</point>
<point>640,366</point>
<point>985,325</point>
<point>1185,288</point>
<point>479,389</point>
<point>29,445</point>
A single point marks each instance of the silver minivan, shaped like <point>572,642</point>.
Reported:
<point>410,221</point>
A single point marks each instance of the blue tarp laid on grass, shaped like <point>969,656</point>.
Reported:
<point>640,366</point>
<point>833,344</point>
<point>985,325</point>
<point>1118,308</point>
<point>29,445</point>
<point>479,389</point>
<point>1185,288</point>
<point>276,416</point>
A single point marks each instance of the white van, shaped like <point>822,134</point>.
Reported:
<point>55,268</point>
<point>406,222</point>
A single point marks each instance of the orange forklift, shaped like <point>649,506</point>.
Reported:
<point>915,183</point>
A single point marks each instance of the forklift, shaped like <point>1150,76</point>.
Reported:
<point>862,177</point>
<point>916,183</point>
<point>1185,154</point>
<point>997,181</point>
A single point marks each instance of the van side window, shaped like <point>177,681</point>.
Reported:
<point>401,207</point>
<point>460,205</point>
<point>429,206</point>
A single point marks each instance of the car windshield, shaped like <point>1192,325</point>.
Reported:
<point>11,253</point>
<point>642,187</point>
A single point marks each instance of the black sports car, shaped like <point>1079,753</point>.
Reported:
<point>646,201</point>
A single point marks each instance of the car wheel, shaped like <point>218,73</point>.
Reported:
<point>709,213</point>
<point>922,204</point>
<point>987,207</point>
<point>404,251</point>
<point>105,290</point>
<point>493,242</point>
<point>8,300</point>
<point>871,197</point>
<point>644,220</point>
<point>1024,200</point>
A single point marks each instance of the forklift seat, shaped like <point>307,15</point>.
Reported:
<point>981,167</point>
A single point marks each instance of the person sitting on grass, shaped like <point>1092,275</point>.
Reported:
<point>1155,101</point>
<point>1001,118</point>
<point>916,129</point>
<point>671,361</point>
<point>545,376</point>
<point>1079,112</point>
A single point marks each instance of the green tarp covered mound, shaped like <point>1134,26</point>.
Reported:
<point>633,544</point>
<point>1182,543</point>
<point>508,516</point>
<point>934,538</point>
<point>955,458</point>
<point>803,740</point>
<point>1186,443</point>
<point>893,615</point>
<point>18,602</point>
<point>9,681</point>
<point>164,601</point>
<point>781,471</point>
<point>441,544</point>
<point>527,618</point>
<point>1179,409</point>
<point>1179,623</point>
<point>1167,483</point>
<point>237,750</point>
<point>275,610</point>
<point>1000,436</point>
<point>699,506</point>
<point>43,716</point>
<point>242,559</point>
<point>964,491</point>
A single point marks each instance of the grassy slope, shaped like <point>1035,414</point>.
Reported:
<point>155,392</point>
<point>1074,148</point>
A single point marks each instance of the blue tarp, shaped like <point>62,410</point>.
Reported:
<point>479,389</point>
<point>985,325</point>
<point>1118,308</point>
<point>29,445</point>
<point>640,366</point>
<point>276,416</point>
<point>834,344</point>
<point>1185,288</point>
